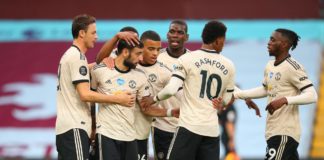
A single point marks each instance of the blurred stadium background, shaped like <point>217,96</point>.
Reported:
<point>35,33</point>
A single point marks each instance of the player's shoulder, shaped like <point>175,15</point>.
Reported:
<point>293,64</point>
<point>227,61</point>
<point>98,66</point>
<point>74,52</point>
<point>163,66</point>
<point>163,50</point>
<point>139,71</point>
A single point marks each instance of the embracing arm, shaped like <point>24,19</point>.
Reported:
<point>87,95</point>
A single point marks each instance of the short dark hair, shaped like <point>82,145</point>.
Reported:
<point>122,44</point>
<point>129,29</point>
<point>81,22</point>
<point>213,30</point>
<point>152,35</point>
<point>292,37</point>
<point>180,22</point>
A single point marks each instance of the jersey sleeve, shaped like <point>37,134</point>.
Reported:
<point>229,88</point>
<point>299,78</point>
<point>180,70</point>
<point>166,76</point>
<point>144,90</point>
<point>79,69</point>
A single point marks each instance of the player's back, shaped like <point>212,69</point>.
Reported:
<point>206,75</point>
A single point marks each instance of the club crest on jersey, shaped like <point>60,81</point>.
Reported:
<point>83,70</point>
<point>152,77</point>
<point>277,76</point>
<point>120,81</point>
<point>132,84</point>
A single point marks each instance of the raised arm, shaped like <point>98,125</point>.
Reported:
<point>109,45</point>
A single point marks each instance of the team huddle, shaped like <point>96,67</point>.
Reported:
<point>171,93</point>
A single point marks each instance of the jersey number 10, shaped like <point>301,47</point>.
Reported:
<point>206,88</point>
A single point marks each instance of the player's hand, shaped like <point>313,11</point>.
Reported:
<point>276,104</point>
<point>109,62</point>
<point>175,112</point>
<point>126,99</point>
<point>90,66</point>
<point>147,101</point>
<point>129,37</point>
<point>218,103</point>
<point>252,105</point>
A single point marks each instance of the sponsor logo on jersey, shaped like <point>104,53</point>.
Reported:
<point>270,75</point>
<point>120,81</point>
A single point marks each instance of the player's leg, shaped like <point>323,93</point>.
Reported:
<point>281,147</point>
<point>130,152</point>
<point>208,149</point>
<point>289,151</point>
<point>161,143</point>
<point>73,145</point>
<point>142,149</point>
<point>107,148</point>
<point>184,145</point>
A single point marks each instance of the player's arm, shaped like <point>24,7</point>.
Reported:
<point>170,89</point>
<point>307,96</point>
<point>249,102</point>
<point>155,111</point>
<point>298,79</point>
<point>254,93</point>
<point>87,95</point>
<point>108,47</point>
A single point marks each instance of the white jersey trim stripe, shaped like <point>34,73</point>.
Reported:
<point>100,147</point>
<point>78,145</point>
<point>281,147</point>
<point>172,142</point>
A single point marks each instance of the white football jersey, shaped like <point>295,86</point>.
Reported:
<point>288,78</point>
<point>113,120</point>
<point>71,111</point>
<point>206,74</point>
<point>168,124</point>
<point>158,76</point>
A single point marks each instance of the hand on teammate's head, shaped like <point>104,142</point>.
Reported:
<point>130,37</point>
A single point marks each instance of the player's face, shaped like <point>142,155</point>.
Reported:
<point>274,44</point>
<point>91,36</point>
<point>177,36</point>
<point>134,56</point>
<point>151,51</point>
